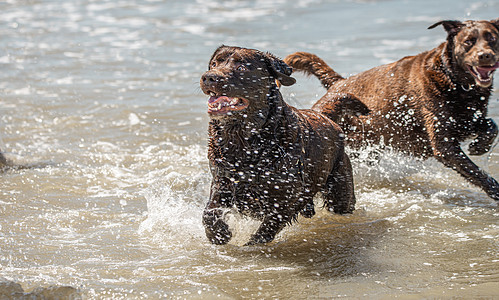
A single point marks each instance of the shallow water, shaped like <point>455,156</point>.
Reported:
<point>101,99</point>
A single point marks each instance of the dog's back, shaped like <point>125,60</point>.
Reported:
<point>384,90</point>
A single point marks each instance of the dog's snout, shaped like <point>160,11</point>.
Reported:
<point>486,57</point>
<point>213,82</point>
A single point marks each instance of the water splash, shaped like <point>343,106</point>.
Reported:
<point>174,209</point>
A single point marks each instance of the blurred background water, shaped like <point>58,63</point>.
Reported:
<point>101,99</point>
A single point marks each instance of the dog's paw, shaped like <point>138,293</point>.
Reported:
<point>479,147</point>
<point>491,187</point>
<point>483,143</point>
<point>494,194</point>
<point>220,235</point>
<point>217,231</point>
<point>259,239</point>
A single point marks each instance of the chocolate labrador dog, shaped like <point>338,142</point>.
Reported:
<point>268,159</point>
<point>426,104</point>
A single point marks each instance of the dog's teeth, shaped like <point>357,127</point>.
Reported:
<point>478,74</point>
<point>212,94</point>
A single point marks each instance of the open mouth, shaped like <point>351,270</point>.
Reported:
<point>483,74</point>
<point>220,105</point>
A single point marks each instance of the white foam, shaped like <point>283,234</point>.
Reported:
<point>194,29</point>
<point>133,119</point>
<point>23,91</point>
<point>372,163</point>
<point>173,216</point>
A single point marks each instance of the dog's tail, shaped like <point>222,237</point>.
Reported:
<point>311,64</point>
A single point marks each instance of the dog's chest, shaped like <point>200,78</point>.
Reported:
<point>260,172</point>
<point>261,166</point>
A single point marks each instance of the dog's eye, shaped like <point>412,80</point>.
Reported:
<point>213,64</point>
<point>470,42</point>
<point>490,37</point>
<point>241,68</point>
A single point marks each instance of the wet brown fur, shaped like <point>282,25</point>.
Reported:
<point>269,160</point>
<point>424,105</point>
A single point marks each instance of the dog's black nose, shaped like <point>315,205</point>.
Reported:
<point>485,57</point>
<point>208,78</point>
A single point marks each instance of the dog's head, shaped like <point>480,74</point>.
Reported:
<point>239,80</point>
<point>475,47</point>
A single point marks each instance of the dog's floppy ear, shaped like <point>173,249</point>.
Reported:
<point>451,26</point>
<point>279,69</point>
<point>219,49</point>
<point>495,23</point>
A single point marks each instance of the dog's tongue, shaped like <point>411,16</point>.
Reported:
<point>214,99</point>
<point>485,71</point>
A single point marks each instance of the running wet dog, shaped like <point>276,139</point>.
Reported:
<point>268,159</point>
<point>424,105</point>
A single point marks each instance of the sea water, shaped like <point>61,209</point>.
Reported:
<point>101,101</point>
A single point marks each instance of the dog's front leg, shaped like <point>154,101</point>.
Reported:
<point>487,132</point>
<point>271,225</point>
<point>216,229</point>
<point>447,150</point>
